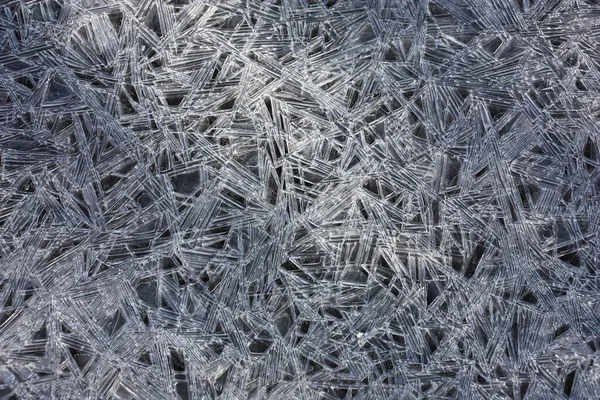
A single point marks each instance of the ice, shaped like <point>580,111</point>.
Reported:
<point>299,199</point>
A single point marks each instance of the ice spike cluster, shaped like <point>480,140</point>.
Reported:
<point>299,199</point>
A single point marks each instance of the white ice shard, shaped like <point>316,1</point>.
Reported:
<point>299,199</point>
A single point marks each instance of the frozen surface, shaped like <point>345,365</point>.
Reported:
<point>294,199</point>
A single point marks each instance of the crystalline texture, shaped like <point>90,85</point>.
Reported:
<point>299,199</point>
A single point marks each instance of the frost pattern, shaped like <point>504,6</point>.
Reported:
<point>299,199</point>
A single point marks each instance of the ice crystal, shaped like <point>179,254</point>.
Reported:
<point>299,199</point>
